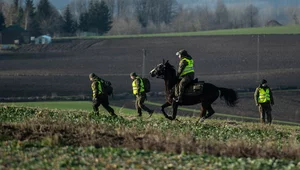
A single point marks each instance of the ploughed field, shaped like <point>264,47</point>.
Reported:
<point>62,68</point>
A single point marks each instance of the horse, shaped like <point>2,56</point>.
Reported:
<point>209,94</point>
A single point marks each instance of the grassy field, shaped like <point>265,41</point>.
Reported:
<point>34,138</point>
<point>59,138</point>
<point>86,106</point>
<point>295,29</point>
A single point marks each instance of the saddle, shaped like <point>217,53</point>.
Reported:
<point>194,88</point>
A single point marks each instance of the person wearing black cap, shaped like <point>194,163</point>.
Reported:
<point>99,97</point>
<point>185,74</point>
<point>139,91</point>
<point>264,99</point>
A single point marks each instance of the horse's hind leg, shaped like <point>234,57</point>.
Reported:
<point>210,111</point>
<point>203,113</point>
<point>206,107</point>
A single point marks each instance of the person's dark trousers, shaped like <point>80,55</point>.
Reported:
<point>139,104</point>
<point>265,111</point>
<point>102,99</point>
<point>183,83</point>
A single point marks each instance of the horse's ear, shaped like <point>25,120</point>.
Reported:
<point>163,61</point>
<point>167,61</point>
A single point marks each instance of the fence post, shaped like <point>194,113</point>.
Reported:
<point>144,63</point>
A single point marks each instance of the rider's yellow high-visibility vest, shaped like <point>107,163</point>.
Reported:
<point>95,90</point>
<point>264,96</point>
<point>135,87</point>
<point>189,68</point>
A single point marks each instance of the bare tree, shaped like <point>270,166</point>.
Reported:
<point>221,15</point>
<point>266,14</point>
<point>186,20</point>
<point>124,8</point>
<point>123,26</point>
<point>293,14</point>
<point>295,17</point>
<point>235,16</point>
<point>206,17</point>
<point>251,16</point>
<point>156,11</point>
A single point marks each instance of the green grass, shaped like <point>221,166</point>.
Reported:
<point>25,155</point>
<point>293,29</point>
<point>66,105</point>
<point>35,138</point>
<point>87,106</point>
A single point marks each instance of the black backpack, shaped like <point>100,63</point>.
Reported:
<point>147,85</point>
<point>107,88</point>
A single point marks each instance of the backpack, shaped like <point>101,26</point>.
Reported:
<point>106,87</point>
<point>147,85</point>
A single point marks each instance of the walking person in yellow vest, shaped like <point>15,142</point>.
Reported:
<point>185,74</point>
<point>264,99</point>
<point>139,91</point>
<point>99,97</point>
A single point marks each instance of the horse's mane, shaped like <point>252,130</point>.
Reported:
<point>168,65</point>
<point>171,81</point>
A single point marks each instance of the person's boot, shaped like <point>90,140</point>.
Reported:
<point>179,99</point>
<point>113,114</point>
<point>139,115</point>
<point>151,113</point>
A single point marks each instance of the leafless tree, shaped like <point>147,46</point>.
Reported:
<point>295,17</point>
<point>266,14</point>
<point>293,14</point>
<point>186,20</point>
<point>124,8</point>
<point>235,16</point>
<point>206,17</point>
<point>156,11</point>
<point>221,15</point>
<point>251,16</point>
<point>123,26</point>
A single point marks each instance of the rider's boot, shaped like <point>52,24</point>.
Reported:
<point>179,99</point>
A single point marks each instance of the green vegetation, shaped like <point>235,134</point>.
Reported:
<point>295,29</point>
<point>26,155</point>
<point>86,106</point>
<point>59,139</point>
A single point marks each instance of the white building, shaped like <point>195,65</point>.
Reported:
<point>43,39</point>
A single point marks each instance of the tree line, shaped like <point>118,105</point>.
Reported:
<point>119,17</point>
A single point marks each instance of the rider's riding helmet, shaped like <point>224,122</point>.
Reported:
<point>263,81</point>
<point>133,74</point>
<point>182,52</point>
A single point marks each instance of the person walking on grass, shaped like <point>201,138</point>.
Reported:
<point>264,99</point>
<point>99,96</point>
<point>139,92</point>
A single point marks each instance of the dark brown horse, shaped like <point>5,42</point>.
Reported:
<point>210,93</point>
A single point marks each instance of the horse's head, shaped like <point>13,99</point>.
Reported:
<point>159,70</point>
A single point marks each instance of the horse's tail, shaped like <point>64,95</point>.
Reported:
<point>230,96</point>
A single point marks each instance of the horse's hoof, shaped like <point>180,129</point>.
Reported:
<point>202,119</point>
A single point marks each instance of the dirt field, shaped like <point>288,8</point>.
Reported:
<point>62,68</point>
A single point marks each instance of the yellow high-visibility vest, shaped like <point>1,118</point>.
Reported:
<point>135,87</point>
<point>264,96</point>
<point>189,68</point>
<point>94,88</point>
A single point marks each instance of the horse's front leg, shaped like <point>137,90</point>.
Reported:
<point>175,107</point>
<point>167,104</point>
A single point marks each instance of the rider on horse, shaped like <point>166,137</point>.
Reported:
<point>185,74</point>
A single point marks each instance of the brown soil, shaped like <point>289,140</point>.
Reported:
<point>62,68</point>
